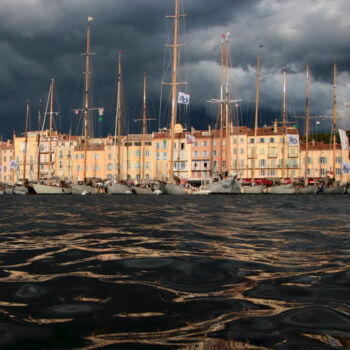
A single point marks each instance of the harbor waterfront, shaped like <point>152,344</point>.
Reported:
<point>161,272</point>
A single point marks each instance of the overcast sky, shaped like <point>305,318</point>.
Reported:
<point>44,39</point>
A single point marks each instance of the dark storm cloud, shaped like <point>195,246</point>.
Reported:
<point>40,39</point>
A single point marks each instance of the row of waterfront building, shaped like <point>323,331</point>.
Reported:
<point>196,156</point>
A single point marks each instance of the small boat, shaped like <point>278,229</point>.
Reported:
<point>20,189</point>
<point>141,190</point>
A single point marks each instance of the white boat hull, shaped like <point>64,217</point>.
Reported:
<point>118,189</point>
<point>281,189</point>
<point>229,186</point>
<point>173,189</point>
<point>47,189</point>
<point>253,189</point>
<point>80,189</point>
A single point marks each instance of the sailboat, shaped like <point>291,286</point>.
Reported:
<point>85,188</point>
<point>334,188</point>
<point>222,184</point>
<point>116,187</point>
<point>50,187</point>
<point>142,187</point>
<point>171,187</point>
<point>255,189</point>
<point>283,188</point>
<point>306,189</point>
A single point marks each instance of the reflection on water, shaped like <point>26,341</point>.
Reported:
<point>215,272</point>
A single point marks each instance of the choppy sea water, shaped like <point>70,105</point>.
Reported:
<point>174,272</point>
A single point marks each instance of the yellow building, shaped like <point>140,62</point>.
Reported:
<point>6,157</point>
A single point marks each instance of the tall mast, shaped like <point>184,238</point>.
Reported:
<point>144,127</point>
<point>284,123</point>
<point>86,106</point>
<point>25,144</point>
<point>334,116</point>
<point>50,132</point>
<point>38,144</point>
<point>307,116</point>
<point>221,104</point>
<point>173,85</point>
<point>227,112</point>
<point>256,113</point>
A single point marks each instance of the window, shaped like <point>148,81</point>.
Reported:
<point>138,143</point>
<point>165,155</point>
<point>82,156</point>
<point>262,172</point>
<point>148,143</point>
<point>272,140</point>
<point>338,160</point>
<point>251,140</point>
<point>137,153</point>
<point>322,171</point>
<point>272,172</point>
<point>262,151</point>
<point>157,145</point>
<point>205,143</point>
<point>195,144</point>
<point>273,163</point>
<point>223,142</point>
<point>147,153</point>
<point>272,152</point>
<point>205,153</point>
<point>97,156</point>
<point>195,154</point>
<point>4,159</point>
<point>241,140</point>
<point>242,163</point>
<point>214,153</point>
<point>235,151</point>
<point>109,156</point>
<point>78,167</point>
<point>262,140</point>
<point>137,165</point>
<point>214,143</point>
<point>234,141</point>
<point>323,160</point>
<point>61,164</point>
<point>76,156</point>
<point>195,165</point>
<point>147,165</point>
<point>61,154</point>
<point>157,155</point>
<point>109,166</point>
<point>242,150</point>
<point>182,146</point>
<point>97,167</point>
<point>262,163</point>
<point>309,172</point>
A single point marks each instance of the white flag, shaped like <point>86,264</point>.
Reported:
<point>100,112</point>
<point>183,98</point>
<point>190,138</point>
<point>90,19</point>
<point>346,168</point>
<point>343,139</point>
<point>13,165</point>
<point>293,140</point>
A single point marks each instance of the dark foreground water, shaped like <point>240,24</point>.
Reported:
<point>167,272</point>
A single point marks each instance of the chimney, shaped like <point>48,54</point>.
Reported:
<point>209,129</point>
<point>313,143</point>
<point>192,130</point>
<point>275,126</point>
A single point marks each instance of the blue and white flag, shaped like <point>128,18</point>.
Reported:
<point>13,164</point>
<point>293,140</point>
<point>343,139</point>
<point>346,168</point>
<point>183,98</point>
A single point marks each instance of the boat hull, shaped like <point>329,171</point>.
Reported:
<point>253,189</point>
<point>47,189</point>
<point>82,189</point>
<point>21,190</point>
<point>333,190</point>
<point>229,186</point>
<point>142,190</point>
<point>306,190</point>
<point>281,189</point>
<point>173,189</point>
<point>118,189</point>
